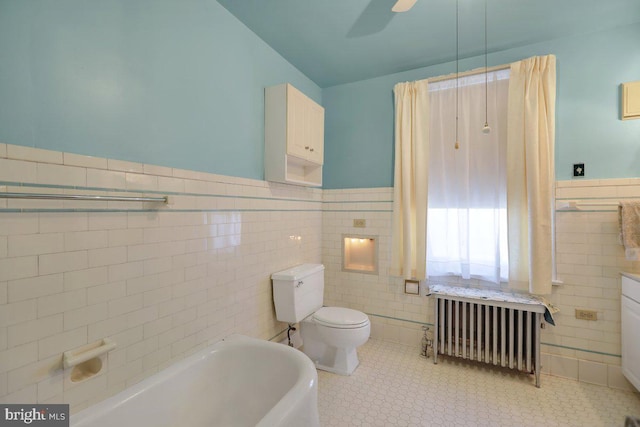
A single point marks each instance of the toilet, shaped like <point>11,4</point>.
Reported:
<point>330,335</point>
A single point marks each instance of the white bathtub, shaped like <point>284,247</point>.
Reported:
<point>239,381</point>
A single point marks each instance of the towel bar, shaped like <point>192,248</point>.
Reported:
<point>82,197</point>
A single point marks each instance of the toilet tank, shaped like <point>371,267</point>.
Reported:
<point>298,292</point>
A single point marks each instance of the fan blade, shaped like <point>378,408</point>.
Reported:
<point>403,5</point>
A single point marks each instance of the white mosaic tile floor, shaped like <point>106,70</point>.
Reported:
<point>395,386</point>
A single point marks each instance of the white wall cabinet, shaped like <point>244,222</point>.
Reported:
<point>294,137</point>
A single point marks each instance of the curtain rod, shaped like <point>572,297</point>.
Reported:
<point>467,73</point>
<point>81,197</point>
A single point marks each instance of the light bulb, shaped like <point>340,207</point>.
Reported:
<point>486,128</point>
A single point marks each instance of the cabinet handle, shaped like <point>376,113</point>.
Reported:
<point>307,147</point>
<point>311,149</point>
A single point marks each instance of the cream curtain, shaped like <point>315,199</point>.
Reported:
<point>530,173</point>
<point>409,228</point>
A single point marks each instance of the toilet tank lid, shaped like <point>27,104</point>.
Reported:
<point>297,272</point>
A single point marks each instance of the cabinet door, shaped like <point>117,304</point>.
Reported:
<point>316,133</point>
<point>298,132</point>
<point>630,343</point>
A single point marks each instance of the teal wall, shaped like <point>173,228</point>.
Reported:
<point>590,68</point>
<point>180,84</point>
<point>173,83</point>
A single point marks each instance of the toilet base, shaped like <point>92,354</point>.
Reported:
<point>343,364</point>
<point>341,361</point>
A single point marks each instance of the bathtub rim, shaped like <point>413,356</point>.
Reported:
<point>305,383</point>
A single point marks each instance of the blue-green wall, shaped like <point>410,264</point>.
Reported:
<point>590,68</point>
<point>167,82</point>
<point>180,83</point>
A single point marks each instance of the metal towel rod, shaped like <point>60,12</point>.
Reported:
<point>565,205</point>
<point>82,197</point>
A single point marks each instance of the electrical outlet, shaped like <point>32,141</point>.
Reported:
<point>360,223</point>
<point>578,169</point>
<point>586,314</point>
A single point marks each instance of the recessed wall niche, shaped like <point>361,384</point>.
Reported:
<point>360,254</point>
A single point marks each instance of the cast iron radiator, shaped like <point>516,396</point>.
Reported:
<point>500,333</point>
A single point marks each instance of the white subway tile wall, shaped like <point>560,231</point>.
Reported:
<point>589,260</point>
<point>161,280</point>
<point>395,316</point>
<point>166,280</point>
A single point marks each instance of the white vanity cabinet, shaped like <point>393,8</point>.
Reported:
<point>294,137</point>
<point>631,328</point>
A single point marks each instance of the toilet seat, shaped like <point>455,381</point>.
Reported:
<point>340,318</point>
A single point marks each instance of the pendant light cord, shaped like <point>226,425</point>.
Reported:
<point>457,70</point>
<point>486,77</point>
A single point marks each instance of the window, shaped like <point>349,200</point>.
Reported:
<point>467,217</point>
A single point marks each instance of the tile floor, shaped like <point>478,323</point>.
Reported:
<point>395,386</point>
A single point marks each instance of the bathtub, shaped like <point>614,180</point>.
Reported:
<point>239,381</point>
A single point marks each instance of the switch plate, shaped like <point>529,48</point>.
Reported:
<point>360,223</point>
<point>586,314</point>
<point>578,169</point>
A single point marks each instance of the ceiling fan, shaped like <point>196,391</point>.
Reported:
<point>403,5</point>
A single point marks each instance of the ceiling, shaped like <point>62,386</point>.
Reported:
<point>340,41</point>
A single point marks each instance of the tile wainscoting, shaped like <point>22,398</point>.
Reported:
<point>161,280</point>
<point>395,316</point>
<point>166,280</point>
<point>588,256</point>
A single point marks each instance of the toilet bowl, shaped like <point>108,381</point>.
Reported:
<point>330,335</point>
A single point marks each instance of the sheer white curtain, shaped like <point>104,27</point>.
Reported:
<point>531,133</point>
<point>467,227</point>
<point>410,182</point>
